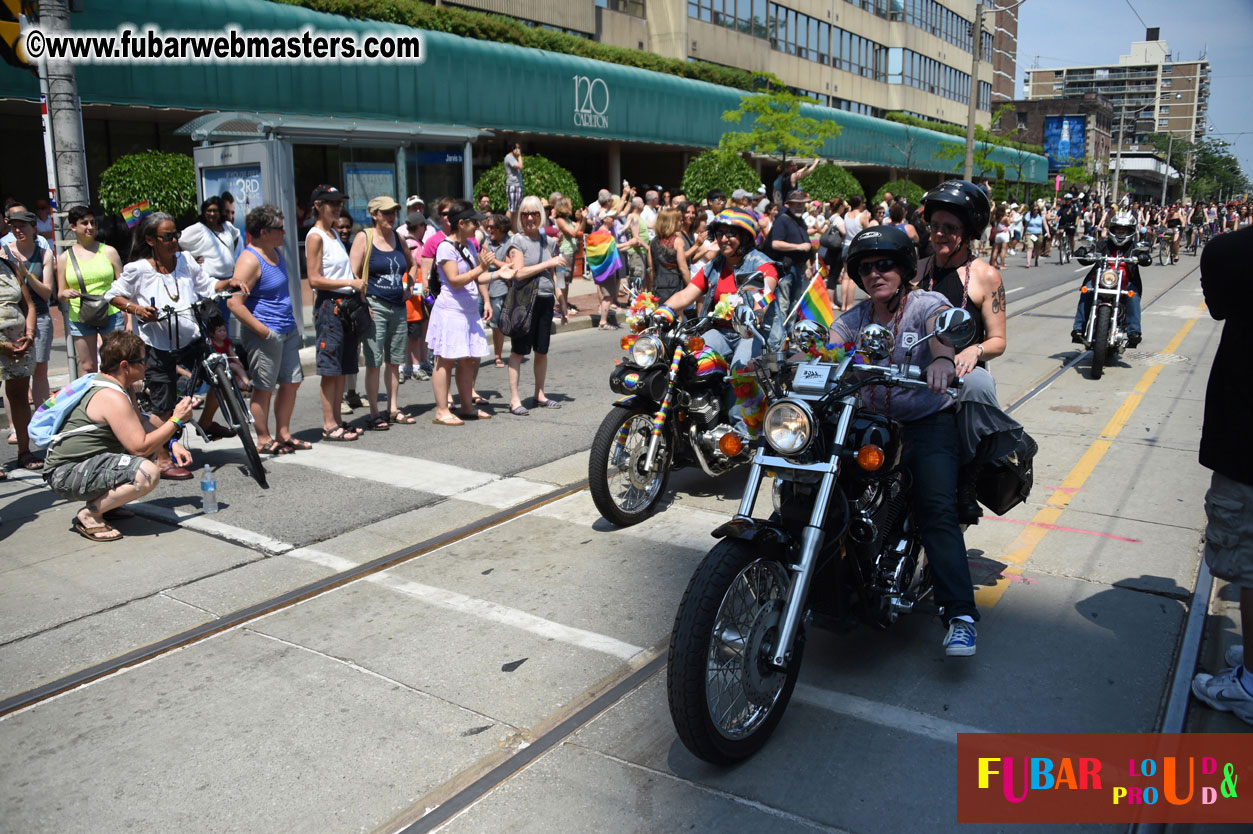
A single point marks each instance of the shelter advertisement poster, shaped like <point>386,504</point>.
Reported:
<point>363,181</point>
<point>242,181</point>
<point>1064,140</point>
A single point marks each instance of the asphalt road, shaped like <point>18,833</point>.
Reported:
<point>531,635</point>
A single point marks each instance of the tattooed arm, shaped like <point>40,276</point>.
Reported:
<point>988,291</point>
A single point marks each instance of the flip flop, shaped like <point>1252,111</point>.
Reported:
<point>94,533</point>
<point>28,461</point>
<point>274,447</point>
<point>296,444</point>
<point>401,418</point>
<point>448,423</point>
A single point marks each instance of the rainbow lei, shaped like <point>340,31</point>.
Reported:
<point>835,352</point>
<point>644,303</point>
<point>725,308</point>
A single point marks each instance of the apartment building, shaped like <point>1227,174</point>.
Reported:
<point>1151,91</point>
<point>863,56</point>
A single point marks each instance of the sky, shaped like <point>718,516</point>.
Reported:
<point>1086,32</point>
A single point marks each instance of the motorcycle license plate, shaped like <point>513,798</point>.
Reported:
<point>812,378</point>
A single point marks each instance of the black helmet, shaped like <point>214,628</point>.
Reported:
<point>882,242</point>
<point>964,199</point>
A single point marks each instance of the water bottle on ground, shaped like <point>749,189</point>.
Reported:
<point>208,492</point>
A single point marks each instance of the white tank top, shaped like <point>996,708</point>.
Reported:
<point>335,264</point>
<point>852,225</point>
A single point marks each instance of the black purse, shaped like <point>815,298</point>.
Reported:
<point>355,315</point>
<point>1006,483</point>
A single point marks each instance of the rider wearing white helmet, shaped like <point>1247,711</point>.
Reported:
<point>1121,241</point>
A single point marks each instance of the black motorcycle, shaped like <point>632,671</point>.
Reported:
<point>841,547</point>
<point>673,413</point>
<point>1105,332</point>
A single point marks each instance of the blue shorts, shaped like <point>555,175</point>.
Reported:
<point>80,329</point>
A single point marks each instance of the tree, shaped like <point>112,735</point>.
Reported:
<point>540,175</point>
<point>830,181</point>
<point>983,165</point>
<point>778,127</point>
<point>1216,172</point>
<point>1079,174</point>
<point>166,180</point>
<point>718,168</point>
<point>913,193</point>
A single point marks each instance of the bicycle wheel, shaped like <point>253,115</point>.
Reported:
<point>237,412</point>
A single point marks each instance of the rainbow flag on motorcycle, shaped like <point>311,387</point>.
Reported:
<point>762,300</point>
<point>815,304</point>
<point>602,254</point>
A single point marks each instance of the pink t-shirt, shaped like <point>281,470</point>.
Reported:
<point>431,244</point>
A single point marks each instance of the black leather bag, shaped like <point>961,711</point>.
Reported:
<point>518,312</point>
<point>355,314</point>
<point>1006,483</point>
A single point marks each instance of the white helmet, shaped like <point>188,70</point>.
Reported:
<point>1123,229</point>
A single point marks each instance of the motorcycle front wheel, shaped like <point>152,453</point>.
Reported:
<point>622,490</point>
<point>1100,340</point>
<point>725,696</point>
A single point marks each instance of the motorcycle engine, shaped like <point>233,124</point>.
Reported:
<point>704,409</point>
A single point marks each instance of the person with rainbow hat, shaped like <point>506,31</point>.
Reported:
<point>738,270</point>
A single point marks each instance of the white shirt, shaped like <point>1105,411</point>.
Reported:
<point>142,284</point>
<point>648,216</point>
<point>218,250</point>
<point>335,264</point>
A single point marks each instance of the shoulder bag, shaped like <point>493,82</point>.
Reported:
<point>518,311</point>
<point>352,309</point>
<point>93,310</point>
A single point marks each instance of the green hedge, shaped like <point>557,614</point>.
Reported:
<point>166,180</point>
<point>492,27</point>
<point>540,175</point>
<point>718,168</point>
<point>981,134</point>
<point>829,181</point>
<point>913,191</point>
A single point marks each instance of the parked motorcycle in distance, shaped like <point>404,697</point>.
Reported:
<point>1105,333</point>
<point>841,547</point>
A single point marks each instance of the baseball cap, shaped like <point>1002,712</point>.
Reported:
<point>23,216</point>
<point>761,189</point>
<point>415,218</point>
<point>414,198</point>
<point>326,193</point>
<point>383,204</point>
<point>797,196</point>
<point>739,194</point>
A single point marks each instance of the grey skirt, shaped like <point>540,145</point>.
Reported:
<point>982,425</point>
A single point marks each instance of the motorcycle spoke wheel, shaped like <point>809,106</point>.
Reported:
<point>622,490</point>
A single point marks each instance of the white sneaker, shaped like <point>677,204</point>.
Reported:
<point>960,640</point>
<point>1225,692</point>
<point>344,408</point>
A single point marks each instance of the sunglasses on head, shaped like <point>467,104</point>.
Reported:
<point>882,266</point>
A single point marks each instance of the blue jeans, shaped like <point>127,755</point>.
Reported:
<point>932,450</point>
<point>1132,308</point>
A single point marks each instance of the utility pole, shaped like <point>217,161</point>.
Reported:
<point>1187,169</point>
<point>65,113</point>
<point>1166,174</point>
<point>976,39</point>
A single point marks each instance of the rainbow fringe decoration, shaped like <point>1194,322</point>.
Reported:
<point>659,419</point>
<point>815,304</point>
<point>602,254</point>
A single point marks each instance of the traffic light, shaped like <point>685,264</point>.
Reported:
<point>10,32</point>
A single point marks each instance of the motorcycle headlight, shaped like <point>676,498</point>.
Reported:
<point>789,427</point>
<point>645,351</point>
<point>1109,279</point>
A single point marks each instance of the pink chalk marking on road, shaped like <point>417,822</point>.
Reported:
<point>1067,529</point>
<point>1071,490</point>
<point>1016,577</point>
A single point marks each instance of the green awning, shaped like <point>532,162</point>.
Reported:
<point>470,84</point>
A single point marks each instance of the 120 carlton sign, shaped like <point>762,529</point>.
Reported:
<point>591,102</point>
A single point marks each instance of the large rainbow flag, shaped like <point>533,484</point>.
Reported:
<point>602,254</point>
<point>816,304</point>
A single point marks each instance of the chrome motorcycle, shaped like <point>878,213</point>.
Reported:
<point>673,413</point>
<point>1105,333</point>
<point>841,547</point>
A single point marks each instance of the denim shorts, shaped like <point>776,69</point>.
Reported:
<point>43,337</point>
<point>80,329</point>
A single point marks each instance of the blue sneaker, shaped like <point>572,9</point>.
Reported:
<point>960,640</point>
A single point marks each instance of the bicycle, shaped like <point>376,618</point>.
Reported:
<point>1064,248</point>
<point>213,369</point>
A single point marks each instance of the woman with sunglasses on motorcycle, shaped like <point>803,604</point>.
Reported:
<point>957,212</point>
<point>883,263</point>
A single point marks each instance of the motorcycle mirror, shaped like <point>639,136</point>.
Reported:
<point>744,320</point>
<point>955,327</point>
<point>875,341</point>
<point>805,334</point>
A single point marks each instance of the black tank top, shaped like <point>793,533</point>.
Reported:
<point>948,282</point>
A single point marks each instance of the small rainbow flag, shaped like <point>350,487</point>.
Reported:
<point>815,304</point>
<point>602,254</point>
<point>133,214</point>
<point>762,300</point>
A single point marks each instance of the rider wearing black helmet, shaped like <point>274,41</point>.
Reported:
<point>882,261</point>
<point>1120,241</point>
<point>957,213</point>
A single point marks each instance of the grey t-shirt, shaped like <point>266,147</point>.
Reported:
<point>499,287</point>
<point>534,252</point>
<point>513,173</point>
<point>903,404</point>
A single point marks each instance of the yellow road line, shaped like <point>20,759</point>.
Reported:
<point>1031,536</point>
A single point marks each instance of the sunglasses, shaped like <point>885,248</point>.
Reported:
<point>530,214</point>
<point>170,237</point>
<point>882,266</point>
<point>276,228</point>
<point>946,229</point>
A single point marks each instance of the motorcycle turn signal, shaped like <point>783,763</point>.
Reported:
<point>870,458</point>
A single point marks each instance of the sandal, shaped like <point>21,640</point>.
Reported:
<point>449,422</point>
<point>274,447</point>
<point>401,418</point>
<point>477,415</point>
<point>296,444</point>
<point>519,411</point>
<point>547,404</point>
<point>500,363</point>
<point>480,400</point>
<point>338,435</point>
<point>27,460</point>
<point>96,533</point>
<point>217,431</point>
<point>118,514</point>
<point>377,422</point>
